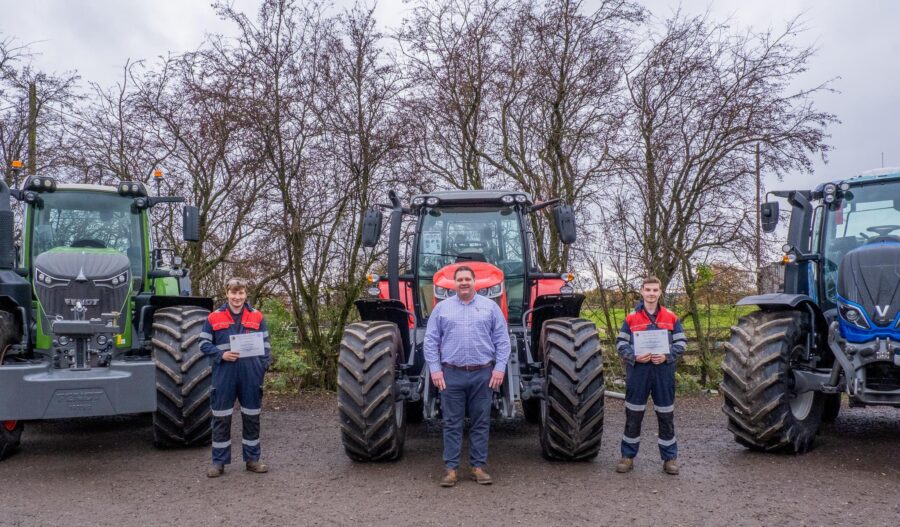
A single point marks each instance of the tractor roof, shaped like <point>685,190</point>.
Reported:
<point>473,197</point>
<point>878,174</point>
<point>81,186</point>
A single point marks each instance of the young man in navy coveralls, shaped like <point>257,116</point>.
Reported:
<point>650,374</point>
<point>234,377</point>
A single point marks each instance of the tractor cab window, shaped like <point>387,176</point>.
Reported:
<point>96,220</point>
<point>865,213</point>
<point>473,234</point>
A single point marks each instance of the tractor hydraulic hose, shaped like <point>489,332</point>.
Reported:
<point>7,229</point>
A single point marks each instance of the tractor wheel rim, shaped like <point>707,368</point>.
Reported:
<point>801,403</point>
<point>10,425</point>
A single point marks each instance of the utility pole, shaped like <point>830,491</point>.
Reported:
<point>32,128</point>
<point>758,226</point>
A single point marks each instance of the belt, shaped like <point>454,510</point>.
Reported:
<point>467,368</point>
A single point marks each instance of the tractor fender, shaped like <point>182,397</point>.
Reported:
<point>792,302</point>
<point>374,309</point>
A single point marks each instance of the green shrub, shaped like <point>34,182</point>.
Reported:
<point>288,366</point>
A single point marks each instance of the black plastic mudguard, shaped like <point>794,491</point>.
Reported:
<point>389,311</point>
<point>552,306</point>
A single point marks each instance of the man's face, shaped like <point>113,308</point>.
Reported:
<point>465,285</point>
<point>236,298</point>
<point>650,293</point>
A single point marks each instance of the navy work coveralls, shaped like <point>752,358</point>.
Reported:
<point>645,379</point>
<point>241,379</point>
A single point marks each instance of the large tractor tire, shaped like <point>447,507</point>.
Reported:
<point>572,407</point>
<point>10,437</point>
<point>10,431</point>
<point>532,410</point>
<point>763,411</point>
<point>372,415</point>
<point>183,416</point>
<point>832,407</point>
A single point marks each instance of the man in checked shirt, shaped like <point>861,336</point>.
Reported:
<point>466,348</point>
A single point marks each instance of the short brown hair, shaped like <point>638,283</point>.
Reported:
<point>234,283</point>
<point>463,268</point>
<point>651,280</point>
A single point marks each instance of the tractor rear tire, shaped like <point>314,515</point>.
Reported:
<point>10,437</point>
<point>183,416</point>
<point>372,414</point>
<point>532,410</point>
<point>763,412</point>
<point>832,407</point>
<point>572,407</point>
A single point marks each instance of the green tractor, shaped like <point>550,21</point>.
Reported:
<point>92,321</point>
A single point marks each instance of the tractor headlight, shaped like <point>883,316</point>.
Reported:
<point>853,315</point>
<point>491,292</point>
<point>115,281</point>
<point>49,281</point>
<point>442,292</point>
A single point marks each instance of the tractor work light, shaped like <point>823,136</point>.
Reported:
<point>372,278</point>
<point>132,188</point>
<point>787,248</point>
<point>374,291</point>
<point>508,199</point>
<point>845,186</point>
<point>432,201</point>
<point>41,184</point>
<point>418,201</point>
<point>830,188</point>
<point>520,198</point>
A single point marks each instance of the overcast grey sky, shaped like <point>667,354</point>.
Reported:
<point>858,42</point>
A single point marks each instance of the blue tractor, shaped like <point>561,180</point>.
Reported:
<point>835,327</point>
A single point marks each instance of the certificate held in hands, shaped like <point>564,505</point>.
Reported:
<point>653,341</point>
<point>248,344</point>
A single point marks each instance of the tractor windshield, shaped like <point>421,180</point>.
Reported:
<point>486,234</point>
<point>99,220</point>
<point>865,213</point>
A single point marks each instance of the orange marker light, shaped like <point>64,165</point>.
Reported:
<point>17,163</point>
<point>157,174</point>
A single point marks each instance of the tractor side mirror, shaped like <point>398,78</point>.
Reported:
<point>564,218</point>
<point>768,213</point>
<point>190,223</point>
<point>371,228</point>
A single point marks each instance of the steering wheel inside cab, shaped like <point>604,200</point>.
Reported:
<point>89,243</point>
<point>883,234</point>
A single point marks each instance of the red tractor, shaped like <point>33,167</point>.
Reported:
<point>555,368</point>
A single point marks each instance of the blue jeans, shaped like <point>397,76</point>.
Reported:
<point>467,392</point>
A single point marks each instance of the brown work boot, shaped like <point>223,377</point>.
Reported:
<point>480,476</point>
<point>215,471</point>
<point>671,467</point>
<point>258,467</point>
<point>450,478</point>
<point>626,464</point>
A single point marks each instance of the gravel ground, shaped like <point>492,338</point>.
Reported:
<point>106,472</point>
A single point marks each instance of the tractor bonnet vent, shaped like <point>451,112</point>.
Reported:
<point>870,277</point>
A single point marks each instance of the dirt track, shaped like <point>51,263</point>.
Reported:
<point>105,472</point>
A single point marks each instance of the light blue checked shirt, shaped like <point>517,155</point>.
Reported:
<point>467,334</point>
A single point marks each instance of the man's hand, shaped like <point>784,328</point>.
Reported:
<point>437,379</point>
<point>658,358</point>
<point>231,356</point>
<point>643,358</point>
<point>496,379</point>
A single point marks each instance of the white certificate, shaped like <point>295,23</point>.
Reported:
<point>653,341</point>
<point>248,344</point>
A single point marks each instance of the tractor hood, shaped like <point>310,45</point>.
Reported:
<point>97,278</point>
<point>869,278</point>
